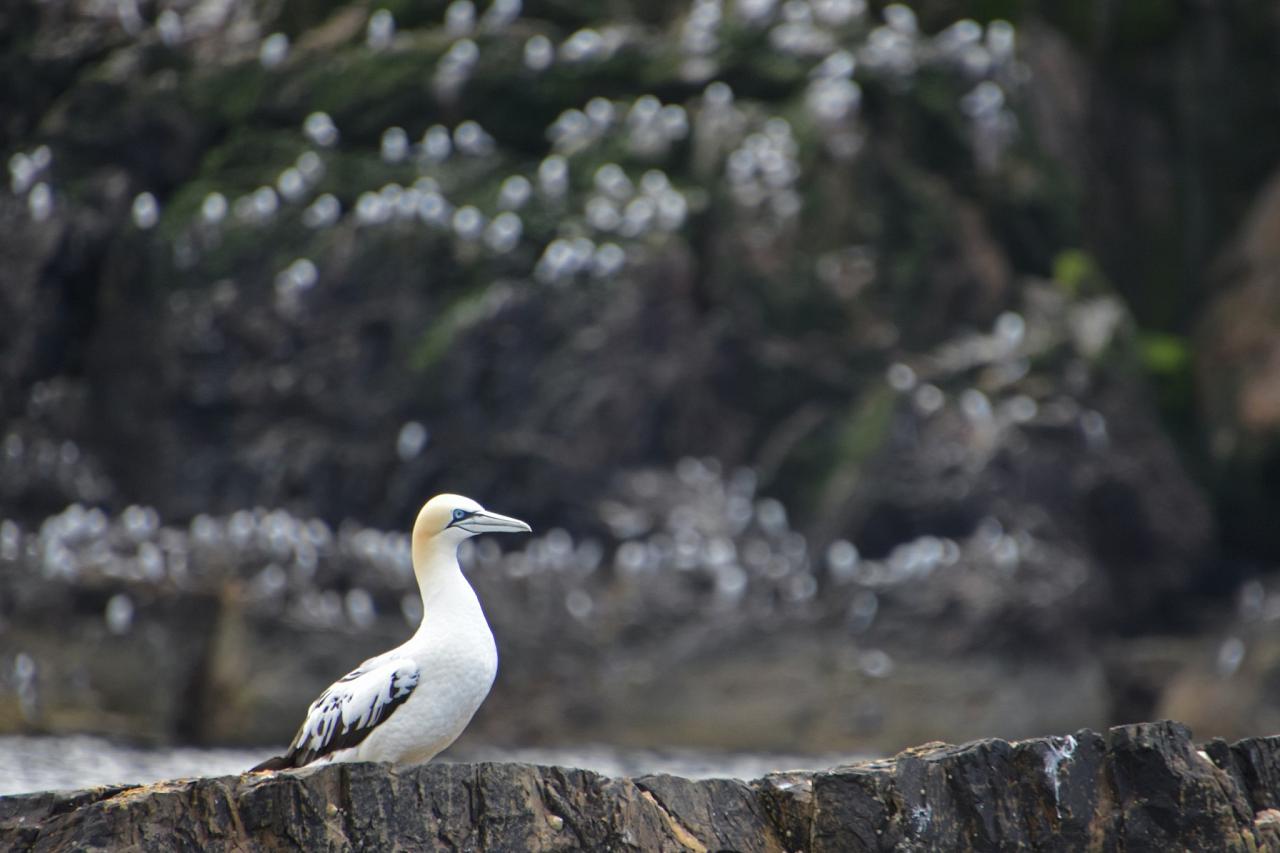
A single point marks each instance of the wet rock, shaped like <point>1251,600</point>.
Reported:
<point>1137,787</point>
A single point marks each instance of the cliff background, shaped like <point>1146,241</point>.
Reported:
<point>872,374</point>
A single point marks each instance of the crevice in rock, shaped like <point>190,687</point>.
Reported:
<point>681,833</point>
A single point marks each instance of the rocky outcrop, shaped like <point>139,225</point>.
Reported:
<point>1142,787</point>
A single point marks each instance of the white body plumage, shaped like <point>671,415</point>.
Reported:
<point>456,661</point>
<point>408,704</point>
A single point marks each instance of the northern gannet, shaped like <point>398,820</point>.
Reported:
<point>408,704</point>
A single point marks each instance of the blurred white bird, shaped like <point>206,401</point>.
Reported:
<point>408,704</point>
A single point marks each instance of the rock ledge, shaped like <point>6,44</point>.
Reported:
<point>1139,787</point>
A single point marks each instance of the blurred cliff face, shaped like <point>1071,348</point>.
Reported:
<point>327,257</point>
<point>269,267</point>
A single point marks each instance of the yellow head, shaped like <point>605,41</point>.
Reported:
<point>446,520</point>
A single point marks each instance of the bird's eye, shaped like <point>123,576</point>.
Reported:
<point>459,514</point>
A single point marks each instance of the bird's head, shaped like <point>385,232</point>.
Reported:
<point>449,519</point>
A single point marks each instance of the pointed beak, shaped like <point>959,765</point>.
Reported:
<point>491,522</point>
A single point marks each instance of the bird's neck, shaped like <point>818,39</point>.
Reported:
<point>447,598</point>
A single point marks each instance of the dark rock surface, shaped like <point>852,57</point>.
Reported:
<point>1136,788</point>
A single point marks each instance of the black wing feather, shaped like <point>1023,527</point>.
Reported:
<point>349,710</point>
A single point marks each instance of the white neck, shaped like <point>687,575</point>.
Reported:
<point>447,598</point>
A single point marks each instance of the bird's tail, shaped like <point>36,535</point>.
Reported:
<point>276,762</point>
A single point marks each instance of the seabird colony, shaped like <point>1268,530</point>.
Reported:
<point>408,704</point>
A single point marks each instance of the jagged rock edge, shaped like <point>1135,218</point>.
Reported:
<point>1134,785</point>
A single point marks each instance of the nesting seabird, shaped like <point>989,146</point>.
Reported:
<point>408,704</point>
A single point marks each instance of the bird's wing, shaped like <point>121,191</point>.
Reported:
<point>352,707</point>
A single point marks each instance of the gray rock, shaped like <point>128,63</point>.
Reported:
<point>1142,787</point>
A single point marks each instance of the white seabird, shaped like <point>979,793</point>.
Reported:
<point>408,704</point>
